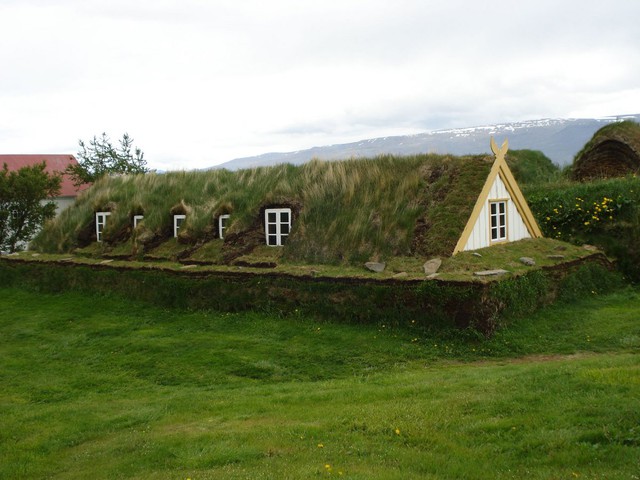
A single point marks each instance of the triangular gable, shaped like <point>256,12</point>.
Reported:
<point>500,179</point>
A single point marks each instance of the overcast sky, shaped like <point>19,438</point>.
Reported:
<point>200,82</point>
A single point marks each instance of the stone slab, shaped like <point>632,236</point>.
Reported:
<point>491,273</point>
<point>376,266</point>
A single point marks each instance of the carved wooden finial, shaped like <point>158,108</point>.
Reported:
<point>499,152</point>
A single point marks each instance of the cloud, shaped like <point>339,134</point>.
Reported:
<point>199,82</point>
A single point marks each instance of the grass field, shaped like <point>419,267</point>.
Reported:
<point>105,388</point>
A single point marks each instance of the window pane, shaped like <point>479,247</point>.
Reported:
<point>272,217</point>
<point>493,208</point>
<point>272,240</point>
<point>272,229</point>
<point>503,232</point>
<point>284,217</point>
<point>284,229</point>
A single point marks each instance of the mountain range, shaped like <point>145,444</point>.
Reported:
<point>558,139</point>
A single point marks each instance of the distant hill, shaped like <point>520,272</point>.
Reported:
<point>558,139</point>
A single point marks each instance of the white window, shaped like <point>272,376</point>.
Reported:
<point>178,220</point>
<point>223,222</point>
<point>277,224</point>
<point>137,219</point>
<point>101,221</point>
<point>498,220</point>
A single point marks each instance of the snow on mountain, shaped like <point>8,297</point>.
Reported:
<point>559,139</point>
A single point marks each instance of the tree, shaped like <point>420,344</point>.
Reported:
<point>100,158</point>
<point>23,205</point>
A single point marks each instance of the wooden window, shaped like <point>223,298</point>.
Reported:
<point>277,224</point>
<point>223,222</point>
<point>178,220</point>
<point>101,221</point>
<point>498,220</point>
<point>137,219</point>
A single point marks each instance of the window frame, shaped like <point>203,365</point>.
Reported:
<point>278,234</point>
<point>137,219</point>
<point>498,221</point>
<point>178,220</point>
<point>100,225</point>
<point>221,227</point>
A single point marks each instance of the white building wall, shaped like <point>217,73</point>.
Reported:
<point>516,228</point>
<point>62,203</point>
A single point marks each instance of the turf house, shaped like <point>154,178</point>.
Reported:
<point>339,212</point>
<point>613,151</point>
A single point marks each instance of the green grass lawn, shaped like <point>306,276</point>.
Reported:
<point>105,388</point>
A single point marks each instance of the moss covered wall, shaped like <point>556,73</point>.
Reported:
<point>432,304</point>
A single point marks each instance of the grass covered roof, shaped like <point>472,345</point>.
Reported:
<point>343,211</point>
<point>613,151</point>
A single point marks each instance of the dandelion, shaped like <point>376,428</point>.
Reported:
<point>320,445</point>
<point>397,431</point>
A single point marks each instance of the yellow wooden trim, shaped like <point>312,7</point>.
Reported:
<point>519,201</point>
<point>500,168</point>
<point>477,209</point>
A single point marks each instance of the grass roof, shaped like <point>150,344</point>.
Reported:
<point>613,151</point>
<point>344,211</point>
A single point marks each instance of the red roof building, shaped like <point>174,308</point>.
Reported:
<point>55,164</point>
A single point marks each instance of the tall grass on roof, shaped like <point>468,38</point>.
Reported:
<point>347,211</point>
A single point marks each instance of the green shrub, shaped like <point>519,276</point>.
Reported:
<point>605,213</point>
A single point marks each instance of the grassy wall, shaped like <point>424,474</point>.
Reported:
<point>432,304</point>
